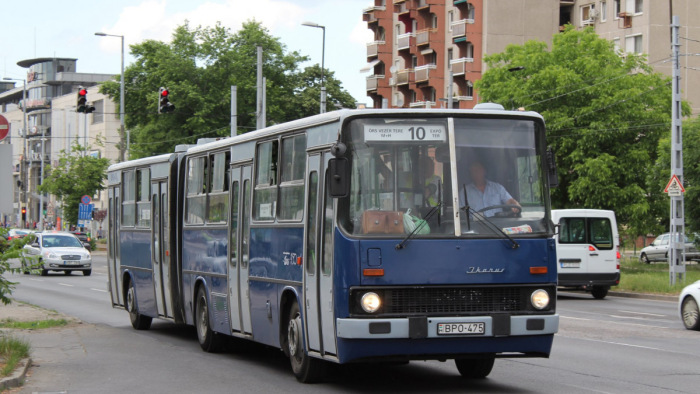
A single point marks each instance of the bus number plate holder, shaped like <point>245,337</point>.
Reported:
<point>477,328</point>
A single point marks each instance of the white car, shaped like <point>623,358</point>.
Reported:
<point>56,251</point>
<point>688,306</point>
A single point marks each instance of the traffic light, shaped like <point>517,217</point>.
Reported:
<point>164,104</point>
<point>24,214</point>
<point>82,100</point>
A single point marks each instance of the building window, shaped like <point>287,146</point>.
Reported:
<point>470,11</point>
<point>470,51</point>
<point>638,6</point>
<point>450,55</point>
<point>616,8</point>
<point>470,89</point>
<point>633,44</point>
<point>588,14</point>
<point>98,116</point>
<point>450,19</point>
<point>616,44</point>
<point>433,21</point>
<point>603,11</point>
<point>431,94</point>
<point>414,61</point>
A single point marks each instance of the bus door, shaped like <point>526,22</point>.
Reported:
<point>239,297</point>
<point>234,247</point>
<point>156,245</point>
<point>318,260</point>
<point>113,240</point>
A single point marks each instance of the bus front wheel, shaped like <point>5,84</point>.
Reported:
<point>306,369</point>
<point>475,368</point>
<point>138,321</point>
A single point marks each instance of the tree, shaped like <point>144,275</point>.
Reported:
<point>76,175</point>
<point>198,67</point>
<point>661,173</point>
<point>605,113</point>
<point>9,250</point>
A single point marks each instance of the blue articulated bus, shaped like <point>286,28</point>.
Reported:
<point>351,236</point>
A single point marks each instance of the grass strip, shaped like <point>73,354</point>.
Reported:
<point>12,350</point>
<point>32,325</point>
<point>652,278</point>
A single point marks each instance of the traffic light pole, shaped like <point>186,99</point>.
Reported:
<point>676,251</point>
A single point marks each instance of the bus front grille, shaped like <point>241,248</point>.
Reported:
<point>450,300</point>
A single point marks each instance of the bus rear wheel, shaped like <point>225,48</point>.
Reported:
<point>138,321</point>
<point>209,341</point>
<point>306,369</point>
<point>475,368</point>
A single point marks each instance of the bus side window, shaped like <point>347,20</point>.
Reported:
<point>196,197</point>
<point>128,198</point>
<point>291,201</point>
<point>217,207</point>
<point>143,198</point>
<point>265,193</point>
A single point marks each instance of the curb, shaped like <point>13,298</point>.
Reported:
<point>657,297</point>
<point>17,377</point>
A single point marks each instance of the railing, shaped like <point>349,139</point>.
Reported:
<point>403,77</point>
<point>422,104</point>
<point>373,82</point>
<point>459,66</point>
<point>373,48</point>
<point>421,3</point>
<point>399,1</point>
<point>374,8</point>
<point>404,41</point>
<point>423,36</point>
<point>401,8</point>
<point>423,72</point>
<point>459,28</point>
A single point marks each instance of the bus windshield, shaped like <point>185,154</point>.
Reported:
<point>401,179</point>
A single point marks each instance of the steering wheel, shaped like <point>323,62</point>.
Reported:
<point>508,210</point>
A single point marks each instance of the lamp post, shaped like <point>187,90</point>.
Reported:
<point>323,58</point>
<point>121,95</point>
<point>24,127</point>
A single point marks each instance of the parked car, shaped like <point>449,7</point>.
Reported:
<point>84,238</point>
<point>588,250</point>
<point>658,250</point>
<point>688,306</point>
<point>15,233</point>
<point>56,251</point>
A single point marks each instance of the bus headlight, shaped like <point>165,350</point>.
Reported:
<point>539,299</point>
<point>370,302</point>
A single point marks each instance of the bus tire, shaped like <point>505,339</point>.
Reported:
<point>306,369</point>
<point>138,321</point>
<point>209,341</point>
<point>599,292</point>
<point>475,368</point>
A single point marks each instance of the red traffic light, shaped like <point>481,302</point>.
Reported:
<point>82,92</point>
<point>24,210</point>
<point>164,93</point>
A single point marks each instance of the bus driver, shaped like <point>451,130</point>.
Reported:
<point>482,193</point>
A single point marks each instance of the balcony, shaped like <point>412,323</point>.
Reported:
<point>423,37</point>
<point>373,82</point>
<point>404,41</point>
<point>401,8</point>
<point>423,72</point>
<point>403,77</point>
<point>459,66</point>
<point>399,1</point>
<point>421,4</point>
<point>368,14</point>
<point>422,104</point>
<point>459,28</point>
<point>373,48</point>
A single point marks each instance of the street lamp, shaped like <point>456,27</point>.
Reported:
<point>323,58</point>
<point>24,127</point>
<point>121,95</point>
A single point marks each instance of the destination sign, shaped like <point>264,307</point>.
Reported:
<point>405,132</point>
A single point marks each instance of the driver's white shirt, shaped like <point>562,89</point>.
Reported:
<point>494,194</point>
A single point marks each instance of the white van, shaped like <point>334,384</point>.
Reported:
<point>588,250</point>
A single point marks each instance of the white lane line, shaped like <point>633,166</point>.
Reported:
<point>636,318</point>
<point>616,343</point>
<point>36,280</point>
<point>642,313</point>
<point>65,284</point>
<point>100,290</point>
<point>617,322</point>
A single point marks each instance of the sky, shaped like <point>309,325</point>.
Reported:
<point>49,28</point>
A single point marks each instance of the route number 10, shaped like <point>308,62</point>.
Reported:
<point>417,133</point>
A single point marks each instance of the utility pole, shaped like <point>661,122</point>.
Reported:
<point>259,116</point>
<point>234,110</point>
<point>676,251</point>
<point>450,82</point>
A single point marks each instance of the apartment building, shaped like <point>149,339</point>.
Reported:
<point>51,126</point>
<point>418,43</point>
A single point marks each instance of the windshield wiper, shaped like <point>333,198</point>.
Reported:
<point>424,223</point>
<point>490,225</point>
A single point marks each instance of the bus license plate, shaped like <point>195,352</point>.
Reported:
<point>461,328</point>
<point>71,262</point>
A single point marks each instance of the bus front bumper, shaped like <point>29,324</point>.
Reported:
<point>447,327</point>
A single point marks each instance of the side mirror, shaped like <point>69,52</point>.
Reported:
<point>552,175</point>
<point>339,177</point>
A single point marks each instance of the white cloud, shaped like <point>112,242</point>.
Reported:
<point>360,34</point>
<point>152,20</point>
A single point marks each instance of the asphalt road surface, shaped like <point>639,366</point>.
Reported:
<point>616,345</point>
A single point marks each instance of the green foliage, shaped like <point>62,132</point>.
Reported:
<point>605,114</point>
<point>32,325</point>
<point>12,351</point>
<point>76,175</point>
<point>661,173</point>
<point>9,250</point>
<point>198,67</point>
<point>652,278</point>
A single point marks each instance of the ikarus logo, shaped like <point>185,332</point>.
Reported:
<point>479,270</point>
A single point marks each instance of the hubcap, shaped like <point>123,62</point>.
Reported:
<point>293,337</point>
<point>130,304</point>
<point>690,312</point>
<point>203,320</point>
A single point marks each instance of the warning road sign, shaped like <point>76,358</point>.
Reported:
<point>674,188</point>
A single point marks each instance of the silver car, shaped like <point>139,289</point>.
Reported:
<point>56,251</point>
<point>658,250</point>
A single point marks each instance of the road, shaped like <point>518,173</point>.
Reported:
<point>616,345</point>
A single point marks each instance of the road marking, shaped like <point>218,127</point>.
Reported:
<point>100,290</point>
<point>616,343</point>
<point>65,284</point>
<point>619,322</point>
<point>636,318</point>
<point>36,280</point>
<point>642,313</point>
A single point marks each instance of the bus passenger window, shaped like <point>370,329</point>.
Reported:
<point>143,184</point>
<point>292,186</point>
<point>194,210</point>
<point>128,198</point>
<point>217,208</point>
<point>265,194</point>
